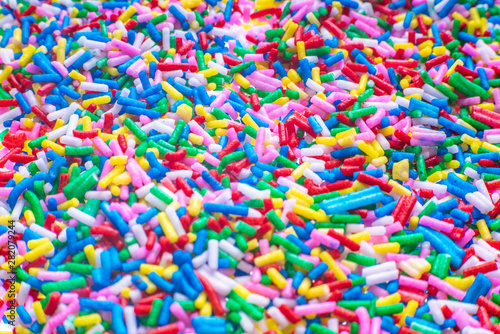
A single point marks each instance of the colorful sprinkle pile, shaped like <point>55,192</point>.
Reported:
<point>243,166</point>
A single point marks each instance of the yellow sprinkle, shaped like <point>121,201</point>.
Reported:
<point>29,216</point>
<point>330,141</point>
<point>358,237</point>
<point>439,50</point>
<point>13,263</point>
<point>118,160</point>
<point>206,310</point>
<point>171,90</point>
<point>249,121</point>
<point>106,180</point>
<point>348,133</point>
<point>293,192</point>
<point>408,311</point>
<point>290,32</point>
<point>459,17</point>
<point>169,271</point>
<point>390,247</point>
<point>276,278</point>
<point>55,147</point>
<point>150,58</point>
<point>377,147</point>
<point>435,177</point>
<point>145,269</point>
<point>490,147</point>
<point>209,72</point>
<point>187,3</point>
<point>77,76</point>
<point>483,230</point>
<point>201,300</point>
<point>304,286</point>
<point>194,207</point>
<point>97,101</point>
<point>413,222</point>
<point>252,244</point>
<point>167,227</point>
<point>297,173</point>
<point>38,252</point>
<point>332,265</point>
<point>223,123</point>
<point>311,18</point>
<point>38,242</point>
<point>127,14</point>
<point>277,203</point>
<point>207,58</point>
<point>474,14</point>
<point>362,83</point>
<point>286,81</point>
<point>460,283</point>
<point>426,44</point>
<point>90,254</point>
<point>242,80</point>
<point>453,164</point>
<point>399,189</point>
<point>451,70</point>
<point>220,132</point>
<point>20,329</point>
<point>151,287</point>
<point>317,291</point>
<point>425,52</point>
<point>269,258</point>
<point>87,320</point>
<point>294,87</point>
<point>368,149</point>
<point>387,131</point>
<point>68,204</point>
<point>401,170</point>
<point>309,213</point>
<point>185,112</point>
<point>5,73</point>
<point>403,46</point>
<point>201,111</point>
<point>294,76</point>
<point>389,300</point>
<point>122,179</point>
<point>39,313</point>
<point>315,73</point>
<point>28,52</point>
<point>17,39</point>
<point>301,50</point>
